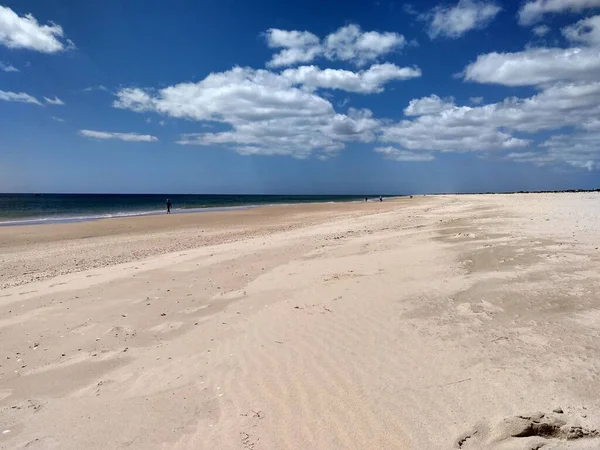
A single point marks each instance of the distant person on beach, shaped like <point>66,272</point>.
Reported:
<point>380,198</point>
<point>169,204</point>
<point>365,199</point>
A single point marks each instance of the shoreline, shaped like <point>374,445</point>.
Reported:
<point>119,215</point>
<point>59,219</point>
<point>58,248</point>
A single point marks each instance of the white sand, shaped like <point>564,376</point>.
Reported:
<point>426,324</point>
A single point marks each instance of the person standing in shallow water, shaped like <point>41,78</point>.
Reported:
<point>169,204</point>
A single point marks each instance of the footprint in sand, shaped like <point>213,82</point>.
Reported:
<point>44,443</point>
<point>530,432</point>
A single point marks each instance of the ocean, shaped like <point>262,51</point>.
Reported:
<point>17,209</point>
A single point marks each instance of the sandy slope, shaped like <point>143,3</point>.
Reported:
<point>446,322</point>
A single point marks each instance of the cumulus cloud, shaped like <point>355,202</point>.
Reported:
<point>586,31</point>
<point>403,155</point>
<point>298,47</point>
<point>261,112</point>
<point>231,96</point>
<point>54,101</point>
<point>455,21</point>
<point>366,81</point>
<point>570,110</point>
<point>58,119</point>
<point>533,11</point>
<point>18,97</point>
<point>348,43</point>
<point>264,111</point>
<point>579,149</point>
<point>8,67</point>
<point>535,66</point>
<point>541,30</point>
<point>293,136</point>
<point>277,38</point>
<point>24,32</point>
<point>128,137</point>
<point>449,134</point>
<point>509,124</point>
<point>134,99</point>
<point>428,105</point>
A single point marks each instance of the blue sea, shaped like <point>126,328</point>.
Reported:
<point>17,209</point>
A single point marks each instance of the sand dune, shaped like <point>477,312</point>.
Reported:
<point>435,323</point>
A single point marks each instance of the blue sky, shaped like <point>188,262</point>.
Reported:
<point>299,96</point>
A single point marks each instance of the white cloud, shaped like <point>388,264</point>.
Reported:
<point>290,39</point>
<point>535,66</point>
<point>18,97</point>
<point>589,164</point>
<point>294,136</point>
<point>298,47</point>
<point>54,101</point>
<point>541,30</point>
<point>591,125</point>
<point>509,124</point>
<point>25,32</point>
<point>263,112</point>
<point>586,31</point>
<point>8,67</point>
<point>450,134</point>
<point>239,94</point>
<point>534,10</point>
<point>366,82</point>
<point>134,99</point>
<point>348,43</point>
<point>580,149</point>
<point>538,158</point>
<point>404,155</point>
<point>455,21</point>
<point>99,87</point>
<point>161,123</point>
<point>428,105</point>
<point>58,119</point>
<point>128,137</point>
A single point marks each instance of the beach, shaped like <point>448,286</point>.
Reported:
<point>438,322</point>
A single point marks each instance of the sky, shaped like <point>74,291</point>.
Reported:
<point>299,96</point>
